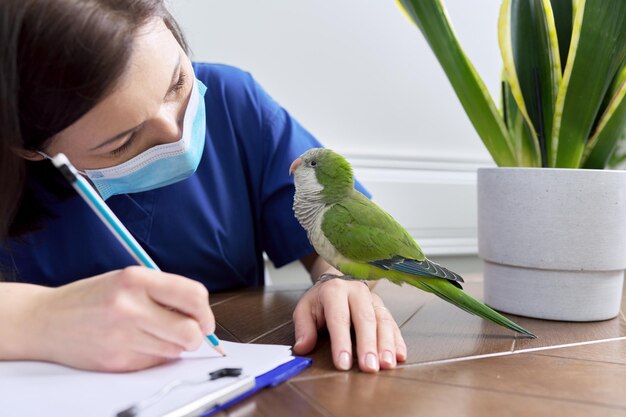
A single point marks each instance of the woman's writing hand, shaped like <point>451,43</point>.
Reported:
<point>123,320</point>
<point>338,303</point>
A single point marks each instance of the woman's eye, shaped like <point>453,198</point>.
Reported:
<point>180,83</point>
<point>119,151</point>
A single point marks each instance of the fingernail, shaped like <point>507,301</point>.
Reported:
<point>299,341</point>
<point>344,361</point>
<point>388,357</point>
<point>371,362</point>
<point>207,328</point>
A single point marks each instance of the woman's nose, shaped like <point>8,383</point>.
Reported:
<point>169,124</point>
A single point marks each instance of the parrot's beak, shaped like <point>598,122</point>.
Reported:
<point>294,165</point>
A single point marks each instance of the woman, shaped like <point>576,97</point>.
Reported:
<point>194,161</point>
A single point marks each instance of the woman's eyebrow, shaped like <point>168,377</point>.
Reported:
<point>134,129</point>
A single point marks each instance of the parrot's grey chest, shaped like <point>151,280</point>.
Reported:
<point>310,214</point>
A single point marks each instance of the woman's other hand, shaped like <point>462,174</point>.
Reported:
<point>123,320</point>
<point>338,303</point>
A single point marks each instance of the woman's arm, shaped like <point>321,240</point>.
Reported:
<point>338,303</point>
<point>19,305</point>
<point>316,266</point>
<point>123,320</point>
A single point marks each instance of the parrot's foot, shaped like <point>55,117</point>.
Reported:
<point>327,277</point>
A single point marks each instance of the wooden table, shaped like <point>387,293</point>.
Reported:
<point>458,364</point>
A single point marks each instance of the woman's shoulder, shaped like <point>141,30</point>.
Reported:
<point>236,91</point>
<point>226,77</point>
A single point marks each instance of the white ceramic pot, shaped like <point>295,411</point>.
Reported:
<point>553,241</point>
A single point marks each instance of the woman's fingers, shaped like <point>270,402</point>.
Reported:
<point>401,352</point>
<point>365,327</point>
<point>305,321</point>
<point>171,327</point>
<point>185,295</point>
<point>151,345</point>
<point>174,291</point>
<point>342,303</point>
<point>333,297</point>
<point>142,350</point>
<point>391,347</point>
<point>387,350</point>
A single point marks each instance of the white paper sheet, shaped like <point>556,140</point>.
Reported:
<point>45,389</point>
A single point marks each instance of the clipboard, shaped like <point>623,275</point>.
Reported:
<point>268,379</point>
<point>210,401</point>
<point>239,390</point>
<point>38,388</point>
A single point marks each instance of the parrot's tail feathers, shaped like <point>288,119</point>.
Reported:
<point>465,302</point>
<point>425,268</point>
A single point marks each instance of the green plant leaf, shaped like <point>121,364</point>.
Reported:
<point>611,128</point>
<point>563,15</point>
<point>430,17</point>
<point>529,46</point>
<point>608,98</point>
<point>618,158</point>
<point>526,147</point>
<point>506,49</point>
<point>529,153</point>
<point>597,51</point>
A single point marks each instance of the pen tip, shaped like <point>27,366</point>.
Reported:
<point>215,344</point>
<point>219,350</point>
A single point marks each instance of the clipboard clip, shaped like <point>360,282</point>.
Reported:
<point>134,410</point>
<point>220,373</point>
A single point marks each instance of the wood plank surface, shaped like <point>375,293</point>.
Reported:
<point>439,331</point>
<point>610,352</point>
<point>282,400</point>
<point>361,395</point>
<point>583,381</point>
<point>445,374</point>
<point>256,313</point>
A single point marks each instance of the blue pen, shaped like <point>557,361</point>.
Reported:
<point>97,204</point>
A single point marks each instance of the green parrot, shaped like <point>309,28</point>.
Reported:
<point>360,239</point>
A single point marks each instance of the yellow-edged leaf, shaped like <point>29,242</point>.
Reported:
<point>431,18</point>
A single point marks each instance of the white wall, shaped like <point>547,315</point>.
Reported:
<point>362,79</point>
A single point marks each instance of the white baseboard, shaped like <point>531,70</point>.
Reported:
<point>434,198</point>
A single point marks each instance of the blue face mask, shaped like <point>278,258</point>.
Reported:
<point>160,165</point>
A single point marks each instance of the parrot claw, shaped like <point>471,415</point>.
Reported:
<point>327,277</point>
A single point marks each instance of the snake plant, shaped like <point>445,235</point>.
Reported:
<point>562,98</point>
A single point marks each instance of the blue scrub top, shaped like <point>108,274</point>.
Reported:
<point>212,226</point>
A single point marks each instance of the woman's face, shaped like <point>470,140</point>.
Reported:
<point>146,107</point>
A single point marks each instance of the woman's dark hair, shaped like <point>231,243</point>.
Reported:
<point>58,58</point>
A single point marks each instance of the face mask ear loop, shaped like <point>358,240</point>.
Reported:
<point>45,155</point>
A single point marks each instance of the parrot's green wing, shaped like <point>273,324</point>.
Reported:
<point>363,232</point>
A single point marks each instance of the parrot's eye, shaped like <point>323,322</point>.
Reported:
<point>313,163</point>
